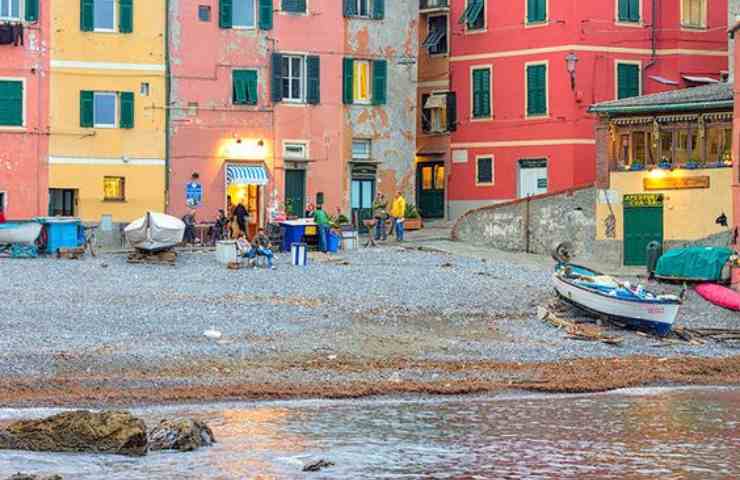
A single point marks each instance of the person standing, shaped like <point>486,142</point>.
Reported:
<point>241,215</point>
<point>398,214</point>
<point>323,222</point>
<point>380,206</point>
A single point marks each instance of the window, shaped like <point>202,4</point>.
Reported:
<point>628,80</point>
<point>536,90</point>
<point>438,112</point>
<point>474,16</point>
<point>11,103</point>
<point>62,202</point>
<point>114,189</point>
<point>104,110</point>
<point>295,150</point>
<point>10,9</point>
<point>360,149</point>
<point>364,81</point>
<point>204,13</point>
<point>365,8</point>
<point>484,170</point>
<point>144,89</point>
<point>293,78</point>
<point>628,11</point>
<point>536,11</point>
<point>244,14</point>
<point>693,13</point>
<point>361,88</point>
<point>481,86</point>
<point>436,41</point>
<point>244,87</point>
<point>3,199</point>
<point>294,6</point>
<point>719,144</point>
<point>362,8</point>
<point>105,15</point>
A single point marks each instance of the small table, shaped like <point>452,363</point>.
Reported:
<point>201,231</point>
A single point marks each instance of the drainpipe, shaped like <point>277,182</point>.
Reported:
<point>167,114</point>
<point>653,39</point>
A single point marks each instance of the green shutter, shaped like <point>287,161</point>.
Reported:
<point>252,91</point>
<point>629,10</point>
<point>265,14</point>
<point>11,103</point>
<point>244,87</point>
<point>537,90</point>
<point>350,8</point>
<point>451,112</point>
<point>225,13</point>
<point>628,80</point>
<point>276,84</point>
<point>32,10</point>
<point>127,109</point>
<point>378,9</point>
<point>380,82</point>
<point>294,6</point>
<point>348,66</point>
<point>87,15</point>
<point>536,11</point>
<point>125,16</point>
<point>481,93</point>
<point>313,79</point>
<point>87,99</point>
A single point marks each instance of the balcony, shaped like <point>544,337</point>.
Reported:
<point>431,6</point>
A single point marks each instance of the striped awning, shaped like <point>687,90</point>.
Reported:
<point>246,175</point>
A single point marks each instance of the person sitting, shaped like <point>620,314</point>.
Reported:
<point>218,231</point>
<point>262,246</point>
<point>244,249</point>
<point>190,221</point>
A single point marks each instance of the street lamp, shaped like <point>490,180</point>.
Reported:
<point>570,60</point>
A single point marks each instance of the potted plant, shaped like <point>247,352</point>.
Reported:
<point>412,218</point>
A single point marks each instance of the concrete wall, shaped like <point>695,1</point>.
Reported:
<point>23,150</point>
<point>553,218</point>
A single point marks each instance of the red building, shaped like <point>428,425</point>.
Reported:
<point>24,91</point>
<point>525,75</point>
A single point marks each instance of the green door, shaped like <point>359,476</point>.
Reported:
<point>363,191</point>
<point>295,192</point>
<point>430,189</point>
<point>643,223</point>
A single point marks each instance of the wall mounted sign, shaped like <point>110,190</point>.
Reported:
<point>194,194</point>
<point>643,200</point>
<point>676,183</point>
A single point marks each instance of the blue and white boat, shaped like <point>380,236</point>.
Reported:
<point>602,295</point>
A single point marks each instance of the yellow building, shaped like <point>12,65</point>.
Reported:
<point>108,127</point>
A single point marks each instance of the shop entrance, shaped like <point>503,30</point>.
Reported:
<point>643,223</point>
<point>245,185</point>
<point>430,189</point>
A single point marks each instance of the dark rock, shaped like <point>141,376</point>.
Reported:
<point>23,476</point>
<point>318,465</point>
<point>183,434</point>
<point>81,431</point>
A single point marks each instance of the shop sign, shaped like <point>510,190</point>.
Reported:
<point>194,194</point>
<point>643,200</point>
<point>676,183</point>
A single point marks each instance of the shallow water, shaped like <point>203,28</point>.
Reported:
<point>631,434</point>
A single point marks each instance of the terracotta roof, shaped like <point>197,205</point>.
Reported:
<point>718,95</point>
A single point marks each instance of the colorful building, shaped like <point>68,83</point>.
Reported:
<point>281,103</point>
<point>664,169</point>
<point>108,109</point>
<point>437,107</point>
<point>24,89</point>
<point>525,75</point>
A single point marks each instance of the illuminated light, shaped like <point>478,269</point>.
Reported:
<point>657,173</point>
<point>245,149</point>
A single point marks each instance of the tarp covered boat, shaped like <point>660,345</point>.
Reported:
<point>155,232</point>
<point>19,233</point>
<point>695,264</point>
<point>603,295</point>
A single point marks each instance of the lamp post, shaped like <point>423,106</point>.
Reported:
<point>570,61</point>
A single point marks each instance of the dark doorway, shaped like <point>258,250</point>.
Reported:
<point>430,189</point>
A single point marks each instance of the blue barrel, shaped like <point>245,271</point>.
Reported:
<point>332,242</point>
<point>299,254</point>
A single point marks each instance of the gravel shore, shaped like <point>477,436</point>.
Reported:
<point>106,322</point>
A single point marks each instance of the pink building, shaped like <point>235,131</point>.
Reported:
<point>278,103</point>
<point>24,89</point>
<point>525,75</point>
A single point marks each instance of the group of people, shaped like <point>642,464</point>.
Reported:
<point>226,226</point>
<point>397,215</point>
<point>259,246</point>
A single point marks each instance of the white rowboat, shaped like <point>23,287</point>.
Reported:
<point>155,232</point>
<point>19,233</point>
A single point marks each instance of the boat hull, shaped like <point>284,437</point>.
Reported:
<point>654,316</point>
<point>17,233</point>
<point>155,232</point>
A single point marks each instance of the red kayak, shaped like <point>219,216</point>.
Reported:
<point>720,296</point>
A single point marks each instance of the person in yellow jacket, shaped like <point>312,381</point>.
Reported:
<point>398,214</point>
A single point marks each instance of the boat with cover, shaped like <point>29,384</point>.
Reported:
<point>155,232</point>
<point>19,233</point>
<point>621,302</point>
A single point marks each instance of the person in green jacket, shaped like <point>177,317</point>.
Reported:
<point>324,223</point>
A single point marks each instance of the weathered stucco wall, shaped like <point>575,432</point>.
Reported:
<point>23,150</point>
<point>391,127</point>
<point>552,218</point>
